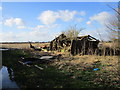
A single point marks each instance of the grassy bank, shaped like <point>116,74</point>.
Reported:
<point>68,72</point>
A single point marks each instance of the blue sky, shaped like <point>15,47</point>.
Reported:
<point>42,21</point>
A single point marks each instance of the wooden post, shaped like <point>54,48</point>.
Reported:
<point>51,45</point>
<point>73,48</point>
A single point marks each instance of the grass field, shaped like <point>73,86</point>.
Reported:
<point>21,45</point>
<point>67,72</point>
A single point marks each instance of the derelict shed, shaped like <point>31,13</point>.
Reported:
<point>80,45</point>
<point>59,42</point>
<point>84,45</point>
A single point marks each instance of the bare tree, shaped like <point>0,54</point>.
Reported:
<point>72,32</point>
<point>114,24</point>
<point>114,28</point>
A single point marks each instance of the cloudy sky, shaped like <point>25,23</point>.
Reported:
<point>42,21</point>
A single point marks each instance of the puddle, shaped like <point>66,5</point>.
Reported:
<point>46,57</point>
<point>7,78</point>
<point>3,49</point>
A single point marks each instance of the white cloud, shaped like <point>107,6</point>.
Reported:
<point>50,17</point>
<point>66,15</point>
<point>88,22</point>
<point>14,21</point>
<point>0,8</point>
<point>18,21</point>
<point>0,22</point>
<point>21,27</point>
<point>33,35</point>
<point>79,19</point>
<point>9,22</point>
<point>82,13</point>
<point>99,33</point>
<point>7,36</point>
<point>100,18</point>
<point>38,33</point>
<point>44,27</point>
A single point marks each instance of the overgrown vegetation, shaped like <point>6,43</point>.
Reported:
<point>68,72</point>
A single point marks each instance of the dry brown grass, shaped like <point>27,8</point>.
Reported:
<point>89,59</point>
<point>108,65</point>
<point>22,45</point>
<point>110,44</point>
